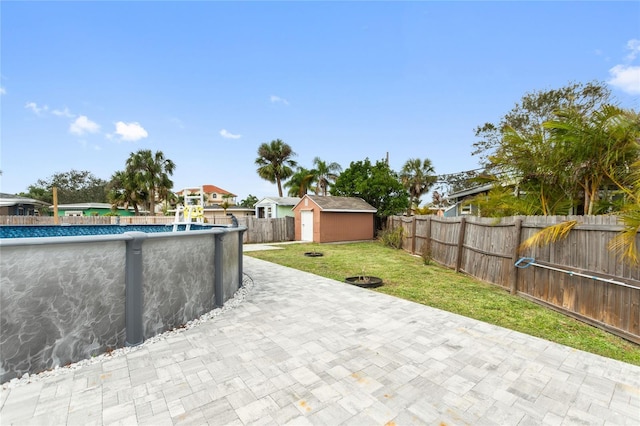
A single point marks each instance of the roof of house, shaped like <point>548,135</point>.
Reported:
<point>340,204</point>
<point>471,191</point>
<point>207,189</point>
<point>281,201</point>
<point>7,200</point>
<point>84,206</point>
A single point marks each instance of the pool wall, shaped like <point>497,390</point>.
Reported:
<point>64,299</point>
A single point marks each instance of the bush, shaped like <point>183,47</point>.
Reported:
<point>392,237</point>
<point>426,255</point>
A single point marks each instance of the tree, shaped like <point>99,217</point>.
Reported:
<point>376,184</point>
<point>73,186</point>
<point>226,203</point>
<point>527,116</point>
<point>576,153</point>
<point>249,202</point>
<point>417,177</point>
<point>275,163</point>
<point>150,173</point>
<point>454,182</point>
<point>526,153</point>
<point>122,191</point>
<point>624,243</point>
<point>591,146</point>
<point>299,183</point>
<point>324,175</point>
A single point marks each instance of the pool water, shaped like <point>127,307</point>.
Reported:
<point>31,231</point>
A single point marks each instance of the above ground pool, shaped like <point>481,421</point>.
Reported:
<point>70,292</point>
<point>30,231</point>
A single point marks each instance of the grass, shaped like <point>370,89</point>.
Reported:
<point>408,277</point>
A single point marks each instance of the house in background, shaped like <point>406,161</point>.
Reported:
<point>14,205</point>
<point>216,214</point>
<point>211,194</point>
<point>459,208</point>
<point>331,219</point>
<point>275,207</point>
<point>92,209</point>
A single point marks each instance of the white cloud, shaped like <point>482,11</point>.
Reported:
<point>35,108</point>
<point>3,91</point>
<point>83,125</point>
<point>275,99</point>
<point>130,131</point>
<point>634,46</point>
<point>228,135</point>
<point>626,78</point>
<point>62,113</point>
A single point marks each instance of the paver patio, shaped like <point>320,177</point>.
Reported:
<point>302,349</point>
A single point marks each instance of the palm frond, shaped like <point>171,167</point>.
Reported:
<point>625,243</point>
<point>549,235</point>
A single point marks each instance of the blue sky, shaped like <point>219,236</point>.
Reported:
<point>84,84</point>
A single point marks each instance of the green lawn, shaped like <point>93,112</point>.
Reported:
<point>408,277</point>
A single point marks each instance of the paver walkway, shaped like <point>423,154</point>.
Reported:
<point>302,349</point>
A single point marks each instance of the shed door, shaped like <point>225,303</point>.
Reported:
<point>306,221</point>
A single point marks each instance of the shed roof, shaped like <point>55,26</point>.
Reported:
<point>340,204</point>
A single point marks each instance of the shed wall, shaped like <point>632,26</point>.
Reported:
<point>335,226</point>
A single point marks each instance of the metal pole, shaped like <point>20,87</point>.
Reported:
<point>133,289</point>
<point>218,283</point>
<point>528,261</point>
<point>240,254</point>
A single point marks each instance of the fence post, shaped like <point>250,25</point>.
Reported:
<point>413,234</point>
<point>133,304</point>
<point>427,238</point>
<point>516,244</point>
<point>240,254</point>
<point>218,284</point>
<point>463,223</point>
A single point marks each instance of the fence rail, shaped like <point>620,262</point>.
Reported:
<point>488,249</point>
<point>258,230</point>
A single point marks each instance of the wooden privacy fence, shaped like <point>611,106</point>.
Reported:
<point>258,230</point>
<point>488,249</point>
<point>268,230</point>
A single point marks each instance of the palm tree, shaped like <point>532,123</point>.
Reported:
<point>593,145</point>
<point>300,182</point>
<point>122,191</point>
<point>324,174</point>
<point>605,150</point>
<point>417,177</point>
<point>226,203</point>
<point>275,163</point>
<point>151,173</point>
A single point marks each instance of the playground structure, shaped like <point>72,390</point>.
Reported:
<point>191,211</point>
